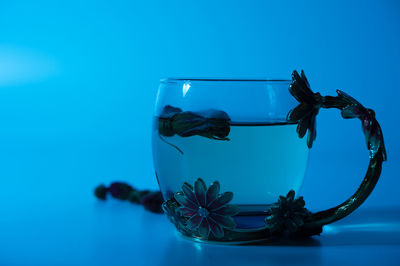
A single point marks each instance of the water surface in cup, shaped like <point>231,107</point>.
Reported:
<point>258,163</point>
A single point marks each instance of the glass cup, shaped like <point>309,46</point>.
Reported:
<point>261,157</point>
<point>225,151</point>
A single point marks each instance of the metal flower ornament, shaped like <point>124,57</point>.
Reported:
<point>207,215</point>
<point>288,214</point>
<point>207,210</point>
<point>306,112</point>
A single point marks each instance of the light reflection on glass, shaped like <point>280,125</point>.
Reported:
<point>271,99</point>
<point>185,88</point>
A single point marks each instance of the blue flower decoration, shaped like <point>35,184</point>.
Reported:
<point>207,210</point>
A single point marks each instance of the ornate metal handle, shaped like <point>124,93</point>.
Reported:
<point>305,113</point>
<point>204,213</point>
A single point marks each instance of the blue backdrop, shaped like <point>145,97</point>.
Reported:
<point>78,81</point>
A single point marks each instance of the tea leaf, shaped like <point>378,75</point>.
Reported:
<point>212,124</point>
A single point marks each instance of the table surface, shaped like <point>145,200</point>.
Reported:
<point>120,233</point>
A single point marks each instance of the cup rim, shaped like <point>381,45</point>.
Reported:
<point>183,79</point>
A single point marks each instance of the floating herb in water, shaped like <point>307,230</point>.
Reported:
<point>212,124</point>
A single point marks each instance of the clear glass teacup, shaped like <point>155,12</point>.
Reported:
<point>226,150</point>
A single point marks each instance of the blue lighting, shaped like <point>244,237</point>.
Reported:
<point>78,82</point>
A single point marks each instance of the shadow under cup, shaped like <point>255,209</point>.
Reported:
<point>261,156</point>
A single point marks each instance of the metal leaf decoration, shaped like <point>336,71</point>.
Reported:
<point>370,126</point>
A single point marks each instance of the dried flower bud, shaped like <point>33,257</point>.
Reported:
<point>136,195</point>
<point>152,202</point>
<point>100,192</point>
<point>120,190</point>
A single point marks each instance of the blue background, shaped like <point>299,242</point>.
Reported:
<point>78,81</point>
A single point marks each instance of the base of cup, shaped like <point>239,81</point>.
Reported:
<point>266,240</point>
